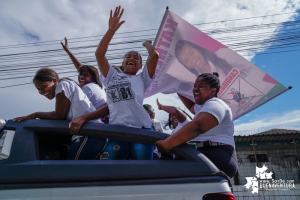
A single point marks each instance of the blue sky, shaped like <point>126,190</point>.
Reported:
<point>30,21</point>
<point>282,111</point>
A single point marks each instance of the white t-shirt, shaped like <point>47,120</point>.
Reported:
<point>156,124</point>
<point>80,104</point>
<point>125,95</point>
<point>180,125</point>
<point>95,94</point>
<point>224,131</point>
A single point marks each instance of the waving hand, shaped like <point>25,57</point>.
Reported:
<point>114,20</point>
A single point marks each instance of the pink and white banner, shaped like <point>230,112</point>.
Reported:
<point>185,52</point>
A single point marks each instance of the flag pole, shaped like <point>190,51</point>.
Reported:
<point>160,26</point>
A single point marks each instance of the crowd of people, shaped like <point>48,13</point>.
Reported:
<point>114,97</point>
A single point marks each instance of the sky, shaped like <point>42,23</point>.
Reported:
<point>41,25</point>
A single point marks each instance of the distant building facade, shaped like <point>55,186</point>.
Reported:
<point>277,151</point>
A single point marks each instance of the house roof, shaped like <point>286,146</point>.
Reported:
<point>270,136</point>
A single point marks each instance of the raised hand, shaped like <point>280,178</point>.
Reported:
<point>65,46</point>
<point>114,20</point>
<point>147,42</point>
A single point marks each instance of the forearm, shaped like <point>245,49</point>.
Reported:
<point>104,43</point>
<point>100,113</point>
<point>153,58</point>
<point>180,116</point>
<point>189,104</point>
<point>185,134</point>
<point>151,50</point>
<point>169,109</point>
<point>75,61</point>
<point>101,51</point>
<point>48,115</point>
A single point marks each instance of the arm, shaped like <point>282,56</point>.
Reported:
<point>62,107</point>
<point>76,124</point>
<point>189,104</point>
<point>180,116</point>
<point>153,57</point>
<point>75,61</point>
<point>114,25</point>
<point>202,123</point>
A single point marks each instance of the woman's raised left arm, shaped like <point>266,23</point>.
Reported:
<point>153,57</point>
<point>75,61</point>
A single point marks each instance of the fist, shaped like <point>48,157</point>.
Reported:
<point>147,42</point>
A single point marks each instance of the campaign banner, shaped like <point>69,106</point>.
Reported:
<point>185,52</point>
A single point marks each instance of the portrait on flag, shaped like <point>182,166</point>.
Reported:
<point>185,52</point>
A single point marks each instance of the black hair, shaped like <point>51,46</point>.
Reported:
<point>46,74</point>
<point>137,53</point>
<point>169,123</point>
<point>93,71</point>
<point>147,106</point>
<point>212,80</point>
<point>219,63</point>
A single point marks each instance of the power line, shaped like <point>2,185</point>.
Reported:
<point>283,41</point>
<point>70,39</point>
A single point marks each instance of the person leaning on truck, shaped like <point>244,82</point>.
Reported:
<point>70,102</point>
<point>211,130</point>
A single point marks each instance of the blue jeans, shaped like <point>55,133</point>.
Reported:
<point>120,150</point>
<point>85,148</point>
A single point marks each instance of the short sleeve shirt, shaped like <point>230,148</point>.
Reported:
<point>95,93</point>
<point>224,131</point>
<point>125,95</point>
<point>80,104</point>
<point>156,125</point>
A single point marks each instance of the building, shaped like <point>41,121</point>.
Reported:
<point>277,152</point>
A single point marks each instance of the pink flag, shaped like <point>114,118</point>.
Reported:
<point>185,52</point>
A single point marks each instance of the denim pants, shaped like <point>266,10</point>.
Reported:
<point>120,150</point>
<point>85,148</point>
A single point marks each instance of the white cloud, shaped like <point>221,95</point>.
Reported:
<point>31,20</point>
<point>288,120</point>
<point>213,11</point>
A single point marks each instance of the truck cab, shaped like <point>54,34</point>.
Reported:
<point>33,165</point>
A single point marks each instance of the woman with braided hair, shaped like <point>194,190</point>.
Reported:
<point>211,130</point>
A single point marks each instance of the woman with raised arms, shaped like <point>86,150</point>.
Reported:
<point>124,94</point>
<point>88,79</point>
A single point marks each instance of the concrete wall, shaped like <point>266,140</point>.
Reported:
<point>282,162</point>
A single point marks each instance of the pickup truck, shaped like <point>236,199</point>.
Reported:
<point>33,166</point>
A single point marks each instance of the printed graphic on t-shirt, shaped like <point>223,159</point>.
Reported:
<point>120,89</point>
